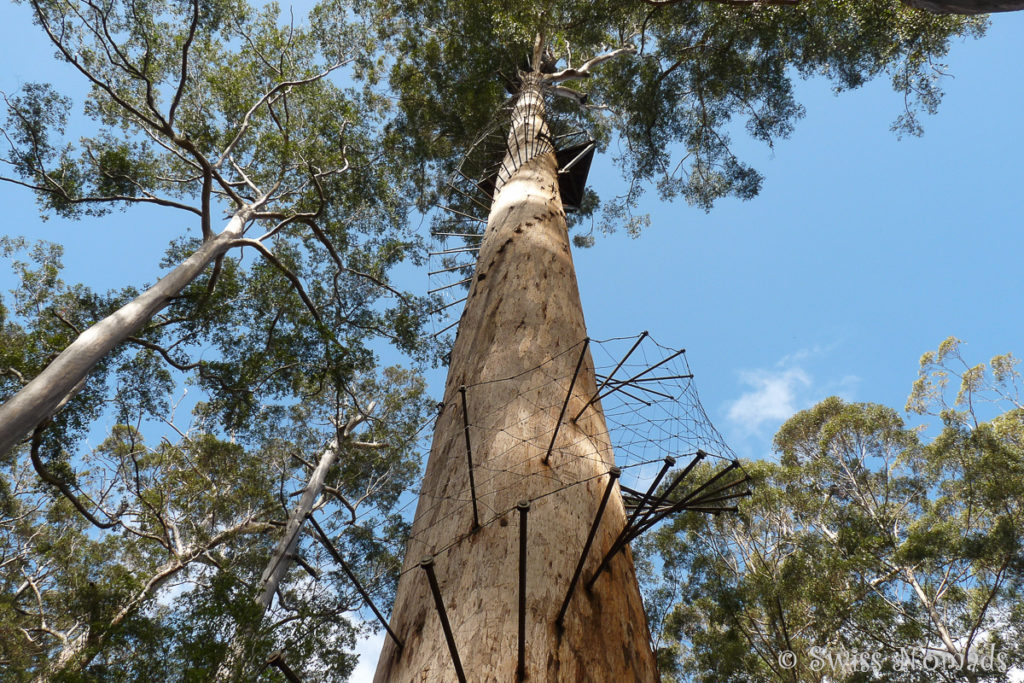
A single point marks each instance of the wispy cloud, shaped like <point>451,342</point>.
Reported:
<point>772,395</point>
<point>773,398</point>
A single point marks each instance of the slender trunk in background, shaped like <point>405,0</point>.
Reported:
<point>523,319</point>
<point>279,564</point>
<point>62,378</point>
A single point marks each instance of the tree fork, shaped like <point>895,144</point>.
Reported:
<point>62,379</point>
<point>523,312</point>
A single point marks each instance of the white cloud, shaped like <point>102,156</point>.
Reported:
<point>368,648</point>
<point>775,397</point>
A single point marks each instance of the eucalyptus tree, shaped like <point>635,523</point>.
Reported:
<point>864,552</point>
<point>667,81</point>
<point>137,558</point>
<point>210,109</point>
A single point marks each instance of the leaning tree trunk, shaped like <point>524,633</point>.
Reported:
<point>518,343</point>
<point>967,6</point>
<point>285,552</point>
<point>64,377</point>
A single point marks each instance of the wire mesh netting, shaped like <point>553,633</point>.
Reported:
<point>652,412</point>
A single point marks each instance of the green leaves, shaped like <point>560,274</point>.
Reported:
<point>702,72</point>
<point>861,539</point>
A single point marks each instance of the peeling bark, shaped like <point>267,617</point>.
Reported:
<point>523,313</point>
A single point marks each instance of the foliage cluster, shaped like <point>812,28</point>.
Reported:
<point>862,540</point>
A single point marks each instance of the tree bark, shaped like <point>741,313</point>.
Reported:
<point>284,553</point>
<point>279,564</point>
<point>966,6</point>
<point>61,379</point>
<point>523,320</point>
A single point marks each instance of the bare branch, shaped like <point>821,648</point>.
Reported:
<point>282,86</point>
<point>584,70</point>
<point>267,254</point>
<point>184,63</point>
<point>55,481</point>
<point>737,3</point>
<point>163,352</point>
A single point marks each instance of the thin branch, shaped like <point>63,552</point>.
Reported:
<point>184,63</point>
<point>57,189</point>
<point>55,481</point>
<point>163,352</point>
<point>584,70</point>
<point>244,125</point>
<point>267,254</point>
<point>737,3</point>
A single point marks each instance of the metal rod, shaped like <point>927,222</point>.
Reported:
<point>726,487</point>
<point>669,462</point>
<point>632,396</point>
<point>457,301</point>
<point>623,539</point>
<point>715,511</point>
<point>606,379</point>
<point>613,473</point>
<point>703,500</point>
<point>719,499</point>
<point>579,156</point>
<point>475,183</point>
<point>276,660</point>
<point>462,213</point>
<point>682,503</point>
<point>524,507</point>
<point>639,511</point>
<point>448,270</point>
<point>457,250</point>
<point>355,582</point>
<point>636,385</point>
<point>644,522</point>
<point>690,496</point>
<point>469,197</point>
<point>565,404</point>
<point>454,284</point>
<point>667,492</point>
<point>662,379</point>
<point>427,565</point>
<point>440,332</point>
<point>638,375</point>
<point>456,234</point>
<point>469,455</point>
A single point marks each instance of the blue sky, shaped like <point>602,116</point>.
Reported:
<point>862,251</point>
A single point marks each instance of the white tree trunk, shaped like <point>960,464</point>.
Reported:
<point>523,319</point>
<point>62,378</point>
<point>284,553</point>
<point>279,564</point>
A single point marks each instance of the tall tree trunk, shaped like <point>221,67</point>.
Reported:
<point>967,6</point>
<point>284,553</point>
<point>62,378</point>
<point>523,320</point>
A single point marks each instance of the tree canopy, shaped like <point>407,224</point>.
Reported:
<point>865,551</point>
<point>684,79</point>
<point>277,147</point>
<point>127,556</point>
